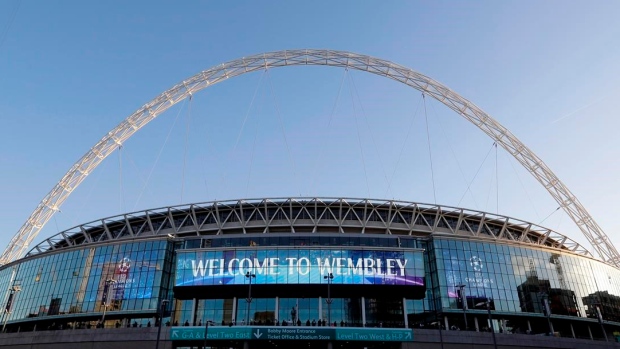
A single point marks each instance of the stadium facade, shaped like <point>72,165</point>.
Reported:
<point>328,266</point>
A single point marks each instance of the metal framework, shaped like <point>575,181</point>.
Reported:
<point>309,215</point>
<point>78,172</point>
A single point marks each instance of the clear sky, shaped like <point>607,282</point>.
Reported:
<point>72,70</point>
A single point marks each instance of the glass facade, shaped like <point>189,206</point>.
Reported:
<point>129,277</point>
<point>386,312</point>
<point>516,279</point>
<point>129,280</point>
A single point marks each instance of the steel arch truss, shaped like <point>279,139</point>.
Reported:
<point>78,172</point>
<point>310,215</point>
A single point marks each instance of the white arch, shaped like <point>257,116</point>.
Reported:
<point>78,172</point>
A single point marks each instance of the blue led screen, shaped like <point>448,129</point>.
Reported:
<point>300,266</point>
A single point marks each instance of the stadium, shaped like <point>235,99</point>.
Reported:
<point>322,272</point>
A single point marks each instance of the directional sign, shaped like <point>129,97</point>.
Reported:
<point>374,334</point>
<point>297,333</point>
<point>214,333</point>
<point>292,333</point>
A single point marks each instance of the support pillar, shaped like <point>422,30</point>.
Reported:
<point>572,331</point>
<point>529,326</point>
<point>234,311</point>
<point>590,332</point>
<point>445,320</point>
<point>246,345</point>
<point>405,312</point>
<point>277,310</point>
<point>476,324</point>
<point>551,326</point>
<point>193,315</point>
<point>363,311</point>
<point>320,308</point>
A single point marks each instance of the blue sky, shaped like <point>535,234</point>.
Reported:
<point>70,71</point>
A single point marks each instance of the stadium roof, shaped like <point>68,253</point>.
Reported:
<point>309,215</point>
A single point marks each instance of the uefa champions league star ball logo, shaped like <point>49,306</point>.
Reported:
<point>476,263</point>
<point>124,265</point>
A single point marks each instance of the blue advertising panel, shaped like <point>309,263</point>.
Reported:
<point>300,266</point>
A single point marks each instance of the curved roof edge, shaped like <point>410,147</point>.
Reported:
<point>309,215</point>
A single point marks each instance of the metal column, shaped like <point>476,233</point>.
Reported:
<point>234,311</point>
<point>363,311</point>
<point>529,326</point>
<point>193,315</point>
<point>405,312</point>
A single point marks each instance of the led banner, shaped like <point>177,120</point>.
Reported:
<point>300,266</point>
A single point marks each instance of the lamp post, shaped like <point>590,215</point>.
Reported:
<point>488,302</point>
<point>162,310</point>
<point>329,277</point>
<point>249,299</point>
<point>207,323</point>
<point>106,291</point>
<point>488,305</point>
<point>600,320</point>
<point>547,310</point>
<point>9,303</point>
<point>439,321</point>
<point>463,303</point>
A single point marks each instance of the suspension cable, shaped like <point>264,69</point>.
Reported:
<point>247,185</point>
<point>476,175</point>
<point>359,136</point>
<point>188,120</point>
<point>402,149</point>
<point>247,113</point>
<point>203,157</point>
<point>282,128</point>
<point>137,170</point>
<point>120,179</point>
<point>159,154</point>
<point>491,182</point>
<point>318,167</point>
<point>259,107</point>
<point>550,214</point>
<point>7,28</point>
<point>522,185</point>
<point>56,223</point>
<point>456,159</point>
<point>430,154</point>
<point>245,120</point>
<point>557,227</point>
<point>84,200</point>
<point>372,138</point>
<point>496,182</point>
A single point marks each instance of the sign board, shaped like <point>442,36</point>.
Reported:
<point>300,266</point>
<point>374,334</point>
<point>292,333</point>
<point>214,333</point>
